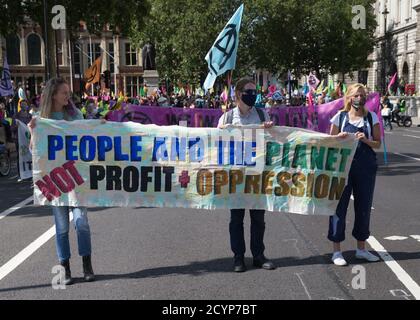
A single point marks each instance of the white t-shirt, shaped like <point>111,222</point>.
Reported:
<point>386,112</point>
<point>358,123</point>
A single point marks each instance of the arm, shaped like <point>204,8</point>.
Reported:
<point>376,142</point>
<point>335,132</point>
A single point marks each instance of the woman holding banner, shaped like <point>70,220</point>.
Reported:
<point>356,119</point>
<point>56,104</point>
<point>245,113</point>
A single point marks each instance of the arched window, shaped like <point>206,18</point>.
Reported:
<point>406,74</point>
<point>415,74</point>
<point>13,49</point>
<point>34,49</point>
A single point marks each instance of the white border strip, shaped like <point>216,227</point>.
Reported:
<point>403,155</point>
<point>17,260</point>
<point>401,274</point>
<point>16,207</point>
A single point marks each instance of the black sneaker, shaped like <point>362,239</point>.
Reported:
<point>239,264</point>
<point>264,263</point>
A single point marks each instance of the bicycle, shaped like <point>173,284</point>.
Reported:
<point>5,162</point>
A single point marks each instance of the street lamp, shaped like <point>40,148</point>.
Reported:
<point>384,80</point>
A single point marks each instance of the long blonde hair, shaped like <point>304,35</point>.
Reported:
<point>351,92</point>
<point>47,95</point>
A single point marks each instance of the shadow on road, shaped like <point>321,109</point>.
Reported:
<point>397,165</point>
<point>224,265</point>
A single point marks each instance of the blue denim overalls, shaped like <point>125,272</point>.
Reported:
<point>361,182</point>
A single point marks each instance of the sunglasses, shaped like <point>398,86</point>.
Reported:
<point>250,91</point>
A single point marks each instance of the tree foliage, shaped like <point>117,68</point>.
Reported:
<point>276,35</point>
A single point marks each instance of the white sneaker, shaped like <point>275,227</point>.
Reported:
<point>338,259</point>
<point>366,255</point>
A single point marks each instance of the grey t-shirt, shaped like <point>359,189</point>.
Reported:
<point>238,119</point>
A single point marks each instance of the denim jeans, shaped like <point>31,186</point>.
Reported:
<point>62,225</point>
<point>236,230</point>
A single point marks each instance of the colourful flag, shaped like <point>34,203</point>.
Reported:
<point>330,87</point>
<point>222,55</point>
<point>93,74</point>
<point>6,88</point>
<point>232,92</point>
<point>313,81</point>
<point>224,95</point>
<point>394,78</point>
<point>306,89</point>
<point>344,88</point>
<point>320,88</point>
<point>142,93</point>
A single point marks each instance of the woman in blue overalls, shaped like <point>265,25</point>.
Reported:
<point>356,119</point>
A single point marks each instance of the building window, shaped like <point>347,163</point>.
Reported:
<point>133,85</point>
<point>363,77</point>
<point>13,49</point>
<point>77,61</point>
<point>130,55</point>
<point>60,53</point>
<point>111,62</point>
<point>34,49</point>
<point>96,47</point>
<point>406,42</point>
<point>398,15</point>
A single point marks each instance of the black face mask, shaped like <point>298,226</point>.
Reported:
<point>249,97</point>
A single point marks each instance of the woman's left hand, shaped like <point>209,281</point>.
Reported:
<point>361,136</point>
<point>268,124</point>
<point>103,121</point>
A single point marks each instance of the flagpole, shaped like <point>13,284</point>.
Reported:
<point>91,59</point>
<point>46,46</point>
<point>71,67</point>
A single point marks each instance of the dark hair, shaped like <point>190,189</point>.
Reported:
<point>240,85</point>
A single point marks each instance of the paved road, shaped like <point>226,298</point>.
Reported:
<point>184,254</point>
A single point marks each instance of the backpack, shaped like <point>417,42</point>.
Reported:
<point>369,119</point>
<point>229,116</point>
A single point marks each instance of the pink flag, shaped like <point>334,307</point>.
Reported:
<point>311,108</point>
<point>272,89</point>
<point>224,95</point>
<point>394,78</point>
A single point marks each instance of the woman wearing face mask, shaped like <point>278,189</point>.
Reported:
<point>56,104</point>
<point>245,113</point>
<point>356,119</point>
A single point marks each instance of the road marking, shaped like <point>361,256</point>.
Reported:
<point>396,238</point>
<point>403,155</point>
<point>398,293</point>
<point>407,135</point>
<point>303,284</point>
<point>401,274</point>
<point>16,207</point>
<point>17,260</point>
<point>415,237</point>
<point>415,131</point>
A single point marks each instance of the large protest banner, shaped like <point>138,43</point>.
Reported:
<point>86,163</point>
<point>281,116</point>
<point>25,155</point>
